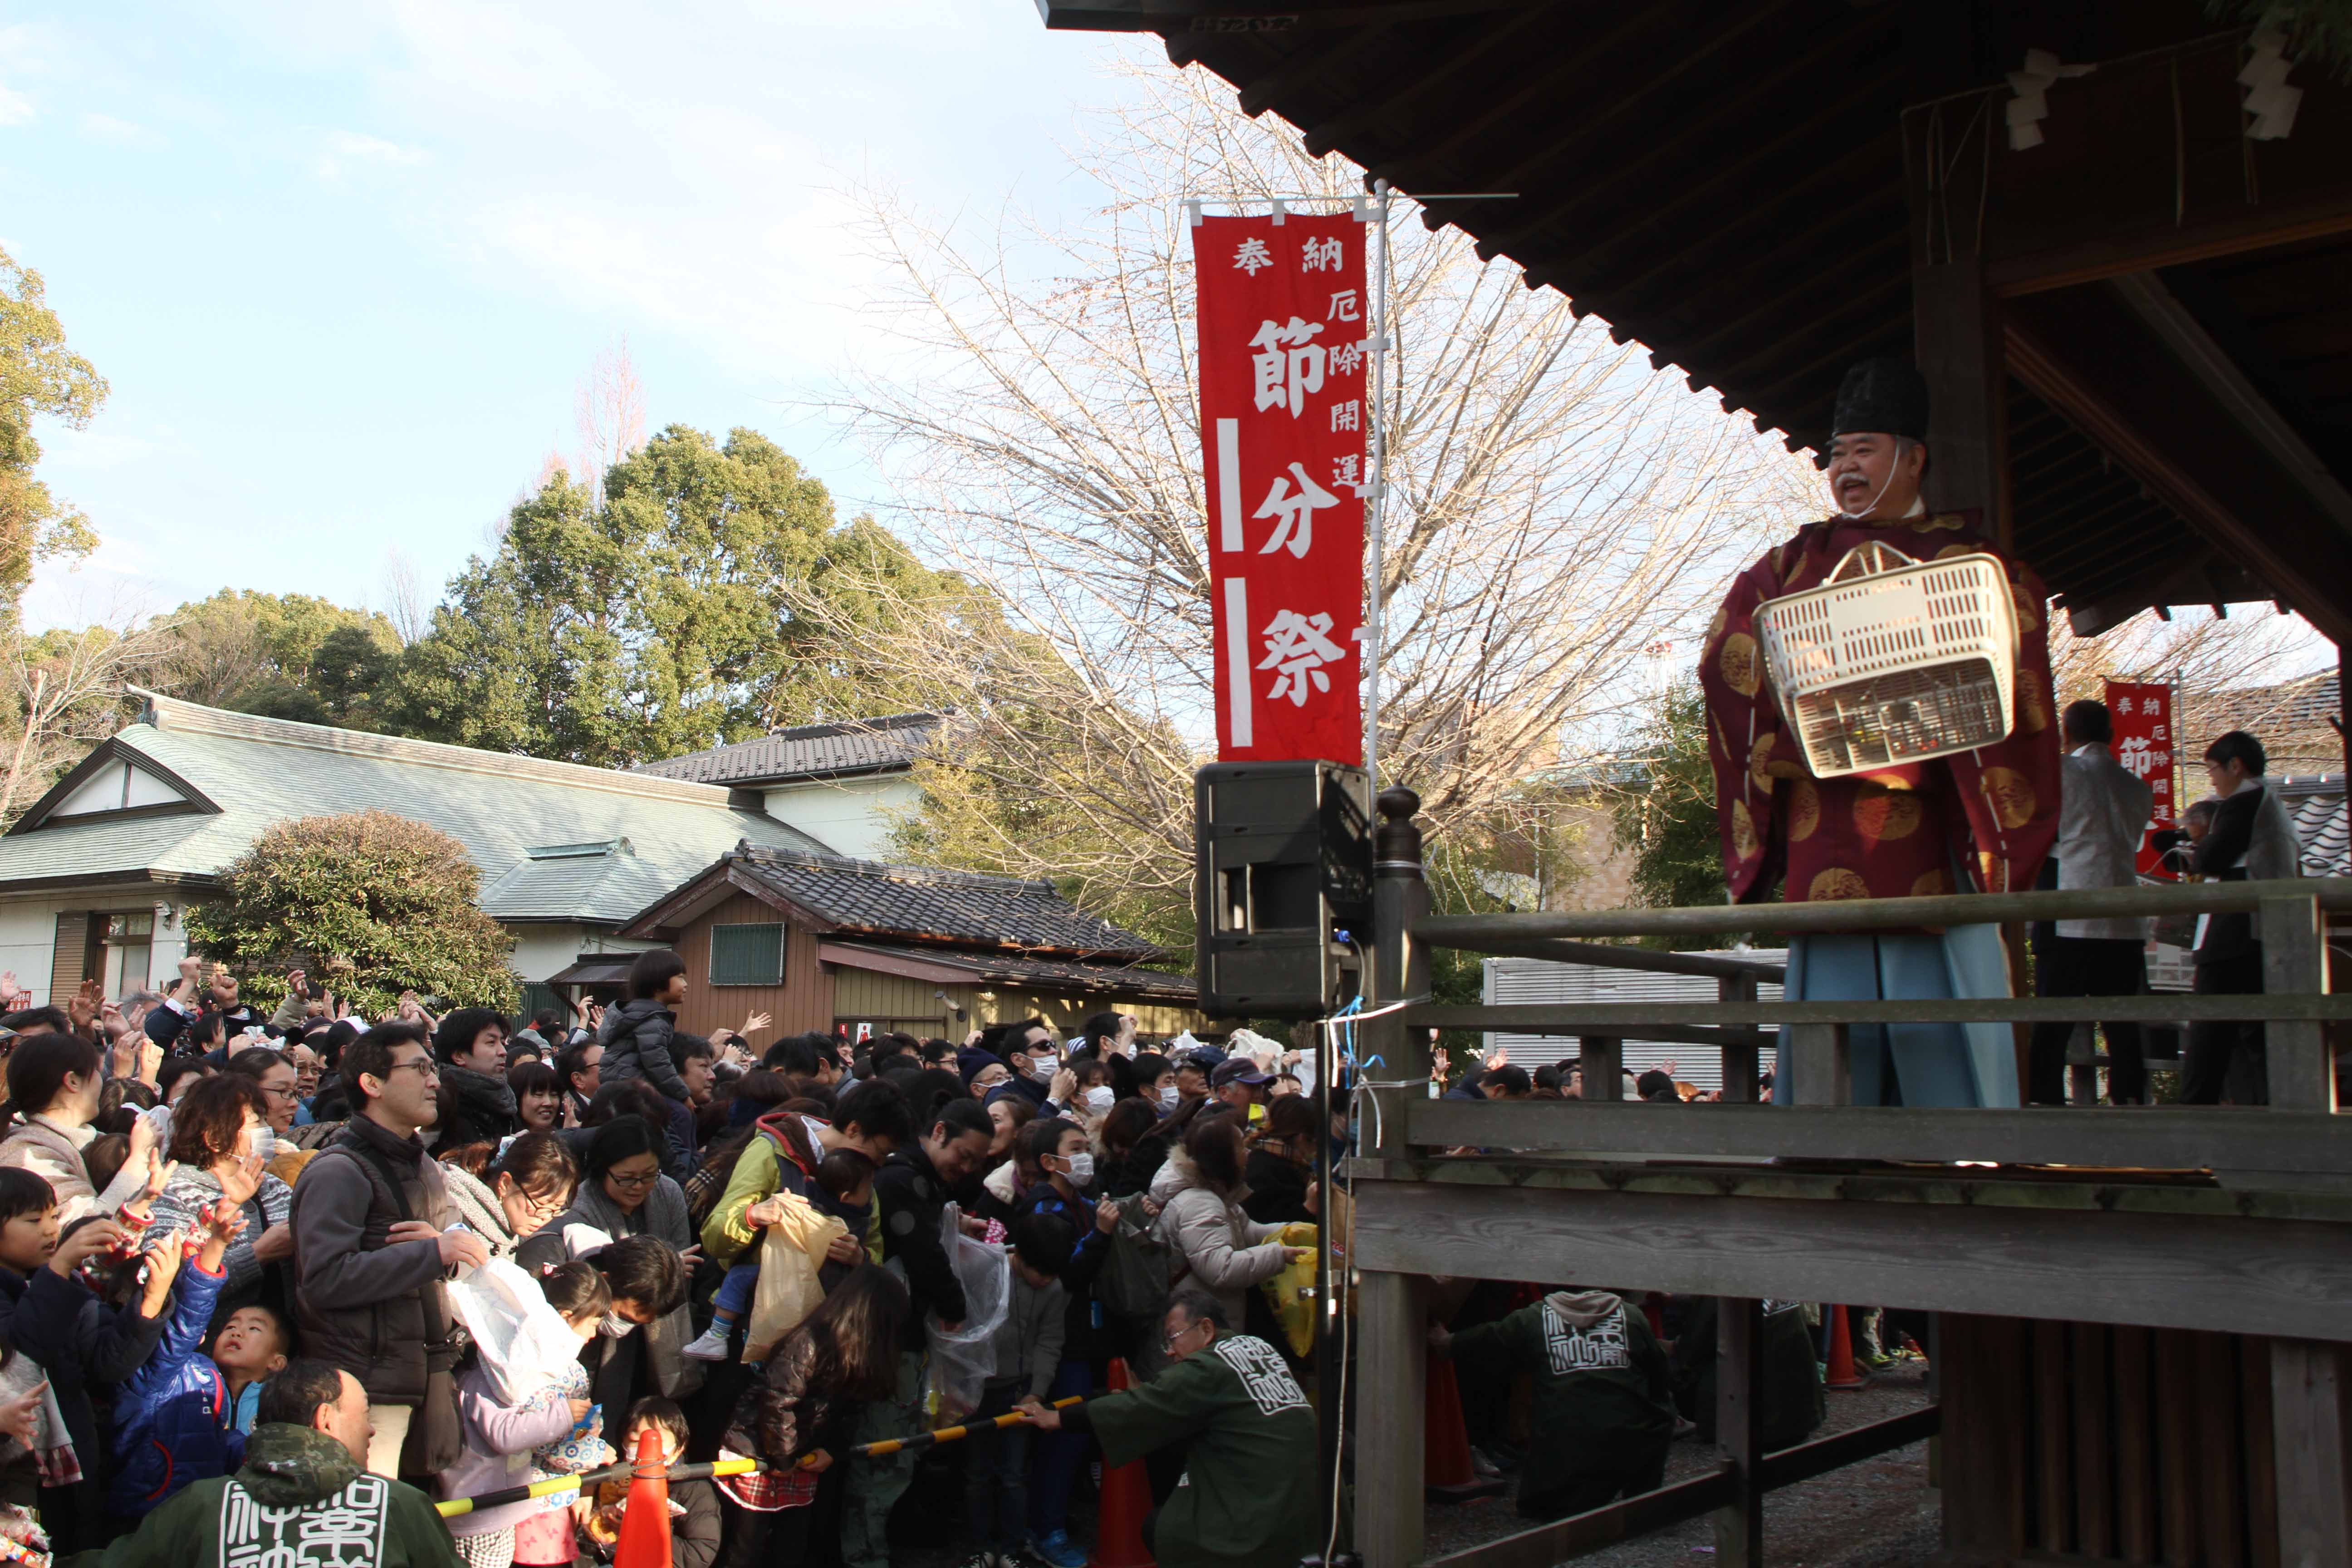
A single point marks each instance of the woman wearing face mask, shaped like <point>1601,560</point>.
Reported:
<point>1092,1095</point>
<point>1066,1166</point>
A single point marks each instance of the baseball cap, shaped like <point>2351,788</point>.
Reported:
<point>1238,1069</point>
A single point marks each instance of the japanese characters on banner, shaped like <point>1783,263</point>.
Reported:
<point>2143,742</point>
<point>1284,355</point>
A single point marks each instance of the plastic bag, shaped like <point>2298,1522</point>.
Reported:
<point>525,1343</point>
<point>963,1360</point>
<point>1291,1293</point>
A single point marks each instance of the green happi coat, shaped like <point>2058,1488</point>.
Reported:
<point>1248,1496</point>
<point>299,1502</point>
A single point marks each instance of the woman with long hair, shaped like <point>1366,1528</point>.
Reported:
<point>53,1095</point>
<point>844,1355</point>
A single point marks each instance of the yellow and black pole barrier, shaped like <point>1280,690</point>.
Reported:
<point>950,1434</point>
<point>555,1486</point>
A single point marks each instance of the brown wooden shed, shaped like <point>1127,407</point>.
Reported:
<point>825,942</point>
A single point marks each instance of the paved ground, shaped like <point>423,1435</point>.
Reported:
<point>1876,1514</point>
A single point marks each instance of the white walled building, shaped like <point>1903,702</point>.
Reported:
<point>95,875</point>
<point>848,784</point>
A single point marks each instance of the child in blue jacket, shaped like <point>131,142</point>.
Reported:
<point>173,1422</point>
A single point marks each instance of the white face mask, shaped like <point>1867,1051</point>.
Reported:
<point>1100,1098</point>
<point>1168,1096</point>
<point>1042,1068</point>
<point>1082,1169</point>
<point>616,1327</point>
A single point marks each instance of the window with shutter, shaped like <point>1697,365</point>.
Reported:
<point>747,954</point>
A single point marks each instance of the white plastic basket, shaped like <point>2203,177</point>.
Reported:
<point>1893,661</point>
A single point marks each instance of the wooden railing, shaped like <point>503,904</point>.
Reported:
<point>2107,1217</point>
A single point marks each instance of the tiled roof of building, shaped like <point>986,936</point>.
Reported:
<point>916,903</point>
<point>808,752</point>
<point>2316,805</point>
<point>553,840</point>
<point>1055,974</point>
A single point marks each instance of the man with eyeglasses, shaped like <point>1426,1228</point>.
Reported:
<point>375,1236</point>
<point>1248,1496</point>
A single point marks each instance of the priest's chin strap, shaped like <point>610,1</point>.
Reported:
<point>1866,512</point>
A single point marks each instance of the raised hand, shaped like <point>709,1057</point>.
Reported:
<point>21,1417</point>
<point>755,1023</point>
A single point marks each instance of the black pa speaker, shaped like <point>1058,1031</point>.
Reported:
<point>1282,886</point>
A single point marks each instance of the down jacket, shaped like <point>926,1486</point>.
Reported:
<point>1216,1246</point>
<point>377,1311</point>
<point>635,1037</point>
<point>172,1416</point>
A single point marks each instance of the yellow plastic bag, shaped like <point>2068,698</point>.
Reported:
<point>1291,1293</point>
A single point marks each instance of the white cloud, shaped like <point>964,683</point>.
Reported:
<point>14,107</point>
<point>106,127</point>
<point>344,147</point>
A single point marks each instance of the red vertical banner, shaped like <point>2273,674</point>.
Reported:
<point>2143,742</point>
<point>1285,359</point>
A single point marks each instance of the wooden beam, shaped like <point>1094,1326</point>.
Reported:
<point>1739,1061</point>
<point>1392,1371</point>
<point>1816,1065</point>
<point>2289,1278</point>
<point>1547,1544</point>
<point>1601,956</point>
<point>2155,247</point>
<point>1739,1429</point>
<point>1642,1020</point>
<point>1787,1467</point>
<point>2156,1138</point>
<point>1956,330</point>
<point>2144,295</point>
<point>1882,914</point>
<point>2295,953</point>
<point>2162,429</point>
<point>2308,1412</point>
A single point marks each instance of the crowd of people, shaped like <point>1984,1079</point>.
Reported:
<point>234,1250</point>
<point>237,1253</point>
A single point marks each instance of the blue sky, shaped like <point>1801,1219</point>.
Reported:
<point>346,265</point>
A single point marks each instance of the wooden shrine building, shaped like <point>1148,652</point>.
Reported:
<point>2117,238</point>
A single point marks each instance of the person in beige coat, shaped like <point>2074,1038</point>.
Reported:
<point>53,1087</point>
<point>1216,1247</point>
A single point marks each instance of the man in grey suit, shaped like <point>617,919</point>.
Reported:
<point>2102,813</point>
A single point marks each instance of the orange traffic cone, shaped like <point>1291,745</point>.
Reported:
<point>1447,1474</point>
<point>1126,1498</point>
<point>644,1522</point>
<point>1842,1373</point>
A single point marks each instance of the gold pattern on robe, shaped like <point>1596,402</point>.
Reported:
<point>1744,842</point>
<point>2009,795</point>
<point>1737,659</point>
<point>1715,628</point>
<point>2032,704</point>
<point>1837,882</point>
<point>1804,810</point>
<point>2029,613</point>
<point>1929,883</point>
<point>1881,813</point>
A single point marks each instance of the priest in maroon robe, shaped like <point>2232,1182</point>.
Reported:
<point>1980,820</point>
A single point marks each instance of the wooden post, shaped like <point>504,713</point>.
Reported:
<point>1956,336</point>
<point>2307,1378</point>
<point>1392,1309</point>
<point>2294,963</point>
<point>1739,1428</point>
<point>2307,1414</point>
<point>1816,1065</point>
<point>1603,1062</point>
<point>1738,1061</point>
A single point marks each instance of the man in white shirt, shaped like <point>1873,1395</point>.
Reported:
<point>2101,815</point>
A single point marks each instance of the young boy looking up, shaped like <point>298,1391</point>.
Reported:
<point>172,1420</point>
<point>693,1505</point>
<point>251,1349</point>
